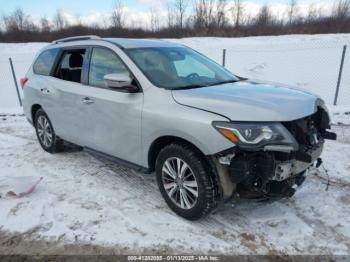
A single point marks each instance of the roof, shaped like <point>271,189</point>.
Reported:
<point>139,43</point>
<point>121,42</point>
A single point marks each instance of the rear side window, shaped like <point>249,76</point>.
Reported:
<point>44,62</point>
<point>70,66</point>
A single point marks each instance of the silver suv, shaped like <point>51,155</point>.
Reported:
<point>158,106</point>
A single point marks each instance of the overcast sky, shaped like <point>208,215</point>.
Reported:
<point>93,11</point>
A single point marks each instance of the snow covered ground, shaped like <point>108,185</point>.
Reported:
<point>308,61</point>
<point>84,200</point>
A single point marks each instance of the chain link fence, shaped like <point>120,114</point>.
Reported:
<point>313,65</point>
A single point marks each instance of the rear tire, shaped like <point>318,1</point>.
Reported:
<point>45,133</point>
<point>185,181</point>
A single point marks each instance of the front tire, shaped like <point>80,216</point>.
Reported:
<point>45,133</point>
<point>186,181</point>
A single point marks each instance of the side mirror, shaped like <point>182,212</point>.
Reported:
<point>120,81</point>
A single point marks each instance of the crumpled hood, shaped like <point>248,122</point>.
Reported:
<point>250,101</point>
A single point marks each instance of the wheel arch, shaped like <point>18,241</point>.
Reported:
<point>163,141</point>
<point>33,111</point>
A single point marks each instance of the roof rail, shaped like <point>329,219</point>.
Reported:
<point>76,38</point>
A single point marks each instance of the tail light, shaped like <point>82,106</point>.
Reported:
<point>23,81</point>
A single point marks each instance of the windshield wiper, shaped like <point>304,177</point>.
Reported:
<point>206,85</point>
<point>189,87</point>
<point>224,82</point>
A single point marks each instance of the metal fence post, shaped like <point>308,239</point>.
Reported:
<point>14,79</point>
<point>340,75</point>
<point>224,57</point>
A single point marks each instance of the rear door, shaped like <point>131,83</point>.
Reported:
<point>38,87</point>
<point>114,116</point>
<point>65,100</point>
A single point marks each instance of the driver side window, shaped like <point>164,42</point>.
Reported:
<point>190,66</point>
<point>104,62</point>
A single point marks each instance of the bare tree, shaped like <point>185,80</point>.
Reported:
<point>170,15</point>
<point>292,11</point>
<point>59,20</point>
<point>29,25</point>
<point>117,17</point>
<point>180,7</point>
<point>210,18</point>
<point>14,21</point>
<point>264,16</point>
<point>237,12</point>
<point>221,18</point>
<point>199,13</point>
<point>45,25</point>
<point>313,13</point>
<point>341,10</point>
<point>18,21</point>
<point>19,18</point>
<point>154,19</point>
<point>9,24</point>
<point>203,16</point>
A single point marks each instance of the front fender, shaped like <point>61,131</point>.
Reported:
<point>168,118</point>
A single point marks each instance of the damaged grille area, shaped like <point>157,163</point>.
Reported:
<point>309,131</point>
<point>273,174</point>
<point>253,173</point>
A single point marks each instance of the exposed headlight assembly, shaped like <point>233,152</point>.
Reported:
<point>256,135</point>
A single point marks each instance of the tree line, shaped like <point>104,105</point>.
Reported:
<point>184,18</point>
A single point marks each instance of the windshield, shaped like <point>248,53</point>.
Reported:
<point>178,67</point>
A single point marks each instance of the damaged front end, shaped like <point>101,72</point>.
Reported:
<point>269,159</point>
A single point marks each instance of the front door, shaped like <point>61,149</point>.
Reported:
<point>114,116</point>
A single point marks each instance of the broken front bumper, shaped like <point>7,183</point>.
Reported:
<point>287,169</point>
<point>265,174</point>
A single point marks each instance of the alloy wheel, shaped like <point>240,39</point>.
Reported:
<point>180,182</point>
<point>44,131</point>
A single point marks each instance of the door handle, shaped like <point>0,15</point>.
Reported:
<point>87,100</point>
<point>45,90</point>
